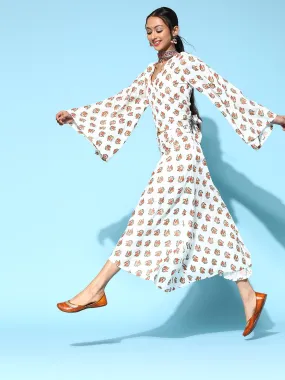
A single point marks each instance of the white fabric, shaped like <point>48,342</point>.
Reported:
<point>180,231</point>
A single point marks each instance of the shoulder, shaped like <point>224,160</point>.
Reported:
<point>189,57</point>
<point>191,62</point>
<point>147,70</point>
<point>149,67</point>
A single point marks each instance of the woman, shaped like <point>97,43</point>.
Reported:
<point>180,231</point>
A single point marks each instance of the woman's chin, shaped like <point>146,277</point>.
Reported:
<point>158,48</point>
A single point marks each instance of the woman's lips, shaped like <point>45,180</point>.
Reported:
<point>156,43</point>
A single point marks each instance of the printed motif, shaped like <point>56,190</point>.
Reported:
<point>181,230</point>
<point>107,124</point>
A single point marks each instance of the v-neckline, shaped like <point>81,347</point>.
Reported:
<point>153,67</point>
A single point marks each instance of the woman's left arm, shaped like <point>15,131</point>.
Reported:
<point>250,120</point>
<point>280,120</point>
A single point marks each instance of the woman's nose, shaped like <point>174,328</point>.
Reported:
<point>153,36</point>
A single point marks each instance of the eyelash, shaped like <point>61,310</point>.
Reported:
<point>158,31</point>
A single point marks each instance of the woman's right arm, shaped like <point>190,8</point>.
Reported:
<point>107,124</point>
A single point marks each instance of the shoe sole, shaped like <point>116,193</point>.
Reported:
<point>76,311</point>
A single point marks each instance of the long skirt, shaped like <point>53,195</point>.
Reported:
<point>181,231</point>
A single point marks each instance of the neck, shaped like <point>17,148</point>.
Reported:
<point>164,55</point>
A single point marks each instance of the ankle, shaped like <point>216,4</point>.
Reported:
<point>248,296</point>
<point>95,289</point>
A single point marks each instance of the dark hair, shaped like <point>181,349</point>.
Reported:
<point>171,20</point>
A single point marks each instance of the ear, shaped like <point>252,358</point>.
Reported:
<point>176,30</point>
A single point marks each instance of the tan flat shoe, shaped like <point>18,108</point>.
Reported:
<point>251,323</point>
<point>69,307</point>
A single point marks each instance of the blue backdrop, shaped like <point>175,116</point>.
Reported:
<point>63,209</point>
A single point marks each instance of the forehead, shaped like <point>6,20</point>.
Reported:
<point>154,21</point>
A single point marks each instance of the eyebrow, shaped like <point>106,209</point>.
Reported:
<point>147,27</point>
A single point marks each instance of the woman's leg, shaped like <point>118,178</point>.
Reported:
<point>248,297</point>
<point>95,290</point>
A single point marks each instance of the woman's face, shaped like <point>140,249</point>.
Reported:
<point>158,34</point>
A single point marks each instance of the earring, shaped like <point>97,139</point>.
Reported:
<point>174,40</point>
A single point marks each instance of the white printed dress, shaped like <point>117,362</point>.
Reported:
<point>180,230</point>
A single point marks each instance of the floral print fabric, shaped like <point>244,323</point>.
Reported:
<point>181,230</point>
<point>107,124</point>
<point>250,120</point>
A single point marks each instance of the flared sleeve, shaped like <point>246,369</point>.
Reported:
<point>108,123</point>
<point>250,120</point>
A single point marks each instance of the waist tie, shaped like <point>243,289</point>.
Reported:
<point>193,122</point>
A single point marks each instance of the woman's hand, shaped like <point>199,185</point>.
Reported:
<point>280,120</point>
<point>63,117</point>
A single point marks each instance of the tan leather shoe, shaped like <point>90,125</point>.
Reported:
<point>69,307</point>
<point>251,323</point>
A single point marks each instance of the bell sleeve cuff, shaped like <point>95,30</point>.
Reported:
<point>107,124</point>
<point>250,120</point>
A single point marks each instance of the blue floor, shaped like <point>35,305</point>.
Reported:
<point>147,337</point>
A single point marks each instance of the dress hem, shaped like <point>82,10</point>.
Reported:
<point>232,276</point>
